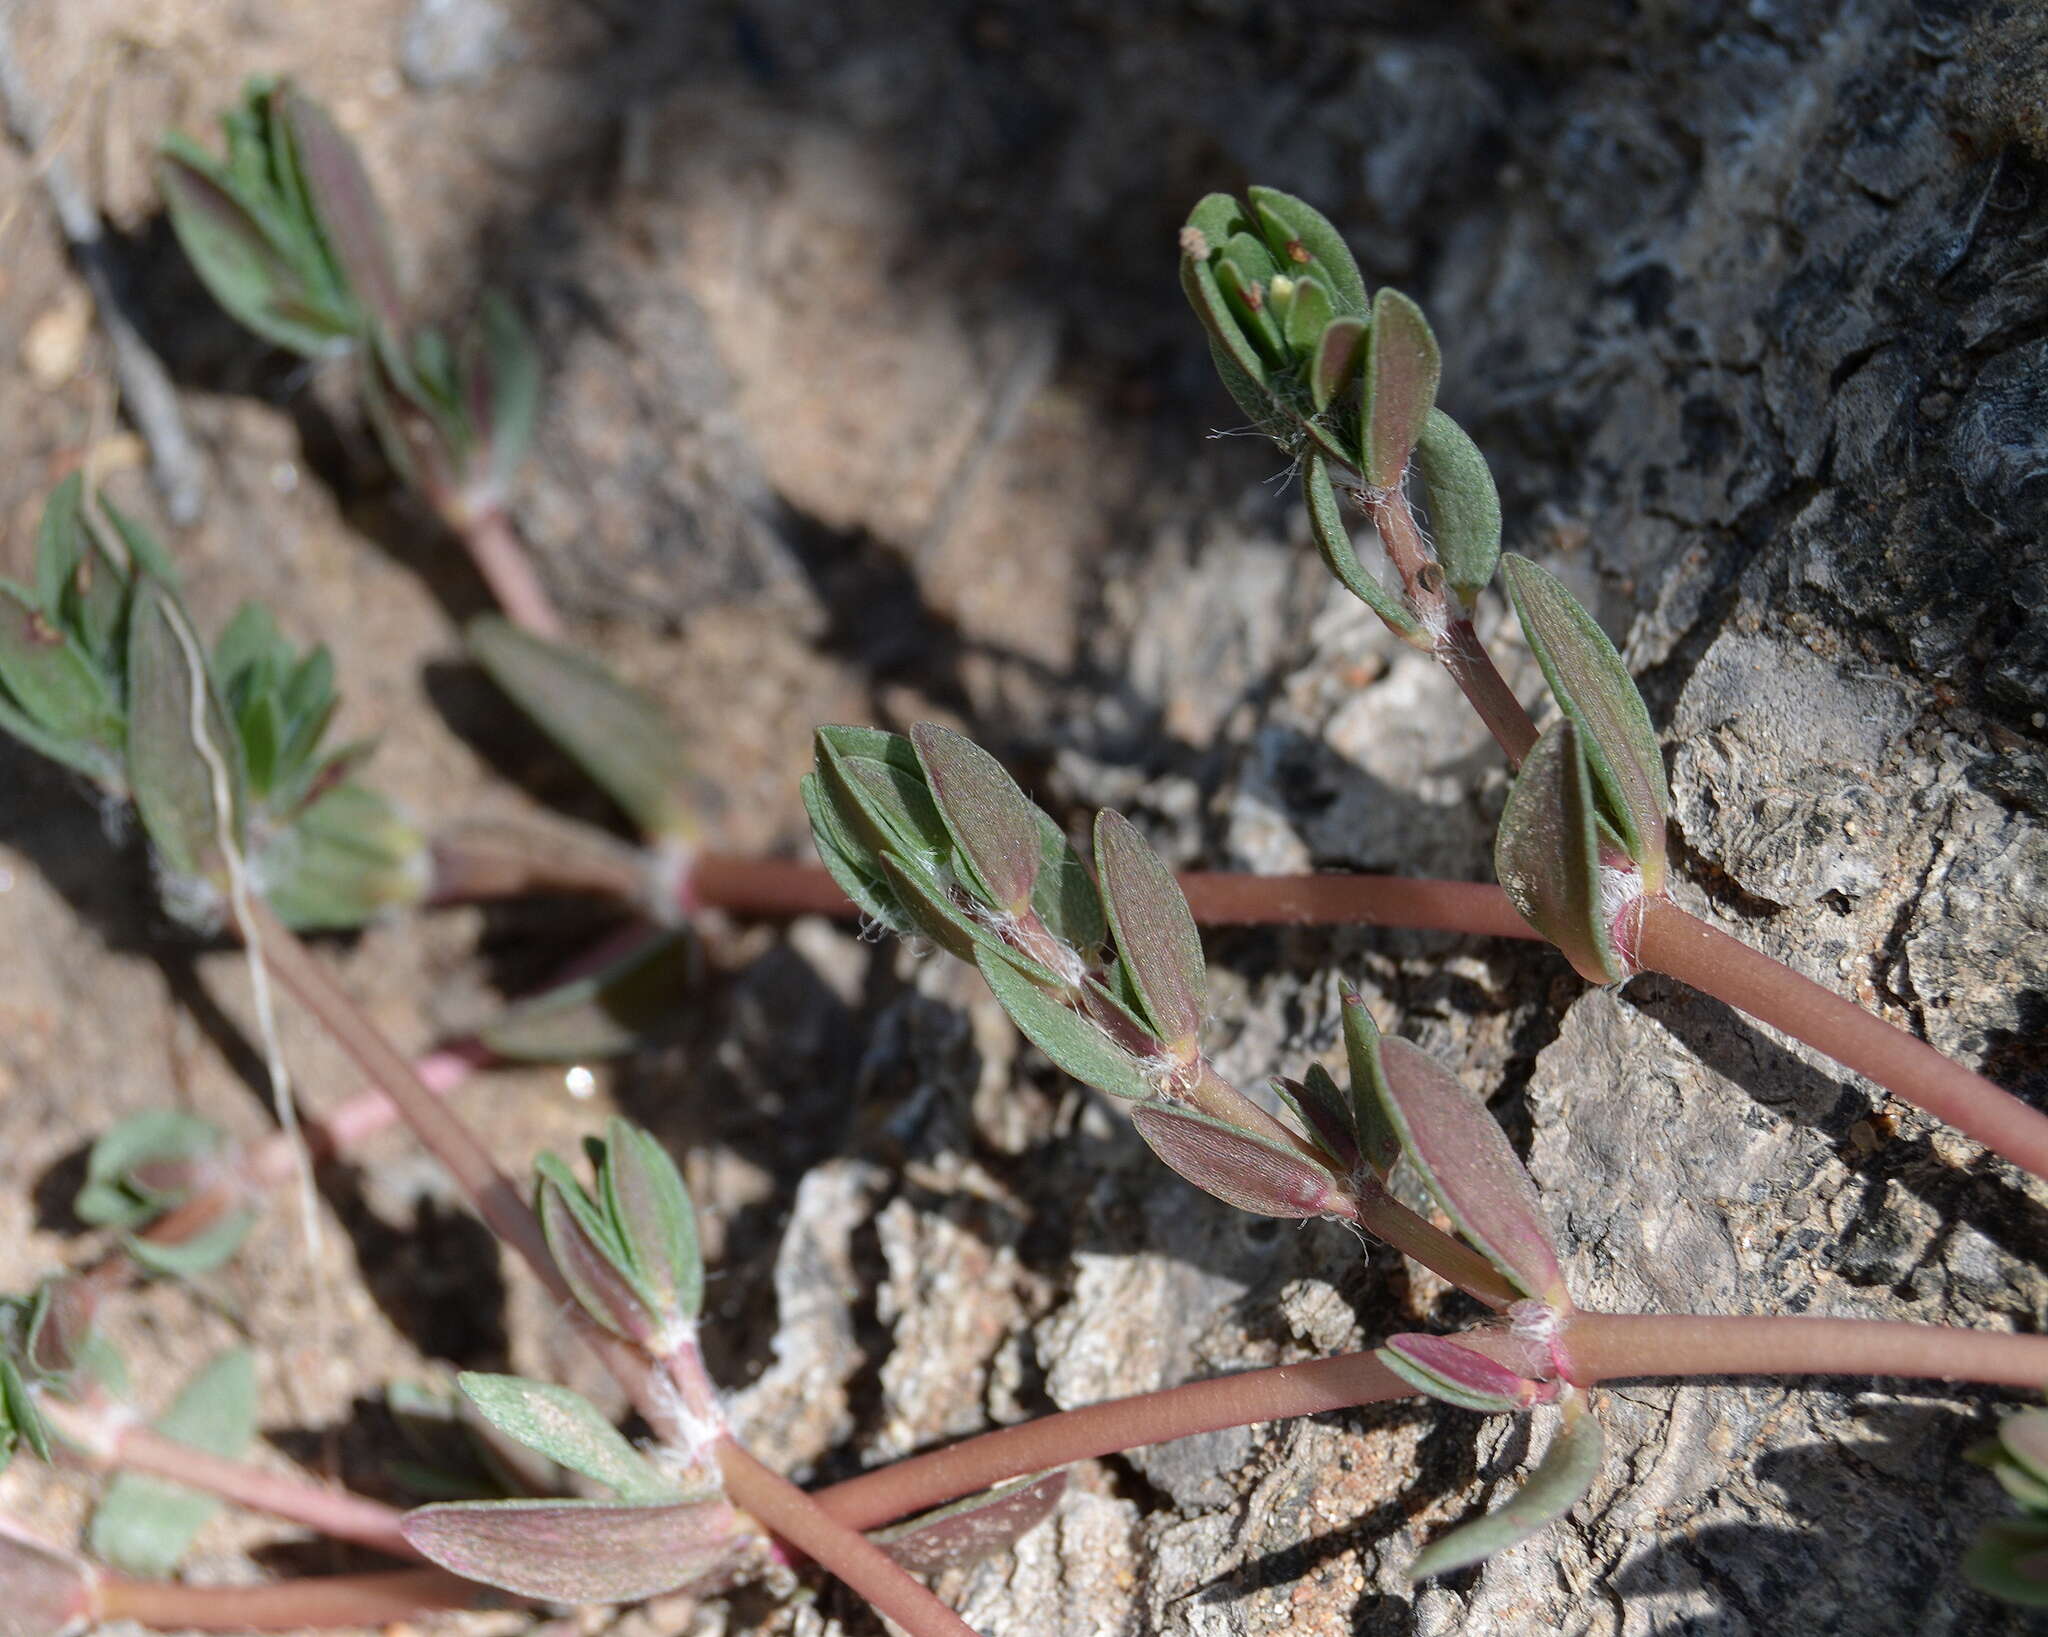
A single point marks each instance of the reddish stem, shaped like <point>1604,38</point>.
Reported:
<point>1686,948</point>
<point>1618,1346</point>
<point>1462,654</point>
<point>288,1605</point>
<point>494,546</point>
<point>136,1448</point>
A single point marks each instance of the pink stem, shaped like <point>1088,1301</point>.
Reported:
<point>289,1605</point>
<point>495,548</point>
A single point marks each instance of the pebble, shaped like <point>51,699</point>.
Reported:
<point>453,42</point>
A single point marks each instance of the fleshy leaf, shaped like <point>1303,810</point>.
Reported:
<point>2009,1559</point>
<point>61,1325</point>
<point>1464,506</point>
<point>145,1525</point>
<point>1595,691</point>
<point>20,1420</point>
<point>849,863</point>
<point>1472,1169</point>
<point>1333,540</point>
<point>612,1011</point>
<point>575,1551</point>
<point>877,787</point>
<point>1566,1472</point>
<point>651,1210</point>
<point>1308,312</point>
<point>1325,1113</point>
<point>144,1163</point>
<point>346,859</point>
<point>1233,1164</point>
<point>569,1430</point>
<point>1065,896</point>
<point>1155,933</point>
<point>1288,223</point>
<point>1401,370</point>
<point>590,1259</point>
<point>196,1254</point>
<point>1379,1140</point>
<point>994,825</point>
<point>61,542</point>
<point>1338,354</point>
<point>501,374</point>
<point>170,777</point>
<point>1237,361</point>
<point>2025,1438</point>
<point>615,733</point>
<point>978,1527</point>
<point>49,1593</point>
<point>1546,854</point>
<point>1438,1366</point>
<point>1075,1044</point>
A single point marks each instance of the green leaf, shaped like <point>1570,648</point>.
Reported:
<point>651,1213</point>
<point>1308,313</point>
<point>1075,1044</point>
<point>170,777</point>
<point>1333,540</point>
<point>60,1329</point>
<point>1243,281</point>
<point>1237,361</point>
<point>1438,1366</point>
<point>877,787</point>
<point>576,1551</point>
<point>1325,1113</point>
<point>1065,895</point>
<point>1216,217</point>
<point>848,862</point>
<point>1293,227</point>
<point>146,554</point>
<point>1472,1169</point>
<point>967,1531</point>
<point>51,676</point>
<point>615,733</point>
<point>570,1431</point>
<point>1155,933</point>
<point>20,1420</point>
<point>88,760</point>
<point>1339,351</point>
<point>1379,1139</point>
<point>1401,370</point>
<point>617,1009</point>
<point>144,1163</point>
<point>1464,506</point>
<point>61,542</point>
<point>250,644</point>
<point>500,372</point>
<point>1546,854</point>
<point>344,860</point>
<point>1234,1165</point>
<point>1596,692</point>
<point>145,1525</point>
<point>1567,1471</point>
<point>2010,1560</point>
<point>994,826</point>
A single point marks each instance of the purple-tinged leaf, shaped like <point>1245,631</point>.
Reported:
<point>61,1324</point>
<point>1401,370</point>
<point>48,1593</point>
<point>615,1010</point>
<point>1155,933</point>
<point>950,927</point>
<point>575,1551</point>
<point>200,1251</point>
<point>1546,854</point>
<point>148,1160</point>
<point>849,862</point>
<point>1234,1165</point>
<point>1210,224</point>
<point>1333,540</point>
<point>618,735</point>
<point>1237,361</point>
<point>1595,691</point>
<point>1379,1142</point>
<point>144,1525</point>
<point>1302,237</point>
<point>1471,1169</point>
<point>994,826</point>
<point>877,788</point>
<point>1566,1472</point>
<point>2009,1559</point>
<point>590,1261</point>
<point>1438,1366</point>
<point>978,1527</point>
<point>351,220</point>
<point>1244,271</point>
<point>20,1420</point>
<point>1065,896</point>
<point>501,377</point>
<point>651,1209</point>
<point>1340,350</point>
<point>1077,1045</point>
<point>1464,506</point>
<point>569,1430</point>
<point>1325,1114</point>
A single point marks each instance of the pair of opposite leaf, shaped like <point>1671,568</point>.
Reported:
<point>100,670</point>
<point>932,838</point>
<point>1582,841</point>
<point>286,232</point>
